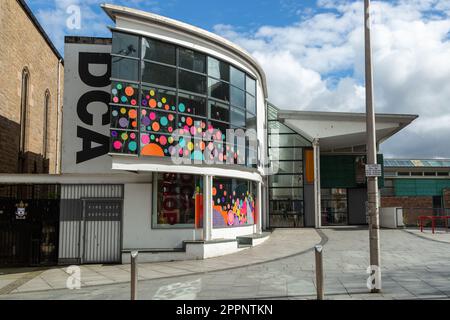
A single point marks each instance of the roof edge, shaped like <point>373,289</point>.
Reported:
<point>41,30</point>
<point>113,10</point>
<point>304,114</point>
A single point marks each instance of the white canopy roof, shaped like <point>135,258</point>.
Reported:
<point>341,130</point>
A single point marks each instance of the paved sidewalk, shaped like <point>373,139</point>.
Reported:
<point>412,268</point>
<point>282,243</point>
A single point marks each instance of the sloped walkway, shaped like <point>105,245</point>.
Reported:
<point>282,243</point>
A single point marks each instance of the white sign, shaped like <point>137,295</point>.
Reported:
<point>373,170</point>
<point>86,119</point>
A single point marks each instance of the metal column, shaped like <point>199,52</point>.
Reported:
<point>317,200</point>
<point>207,207</point>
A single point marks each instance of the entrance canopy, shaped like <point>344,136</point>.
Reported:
<point>341,131</point>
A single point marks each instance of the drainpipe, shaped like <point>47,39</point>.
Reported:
<point>58,122</point>
<point>317,200</point>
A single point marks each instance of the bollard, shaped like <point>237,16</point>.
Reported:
<point>319,271</point>
<point>134,274</point>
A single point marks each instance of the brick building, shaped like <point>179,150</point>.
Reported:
<point>420,187</point>
<point>30,93</point>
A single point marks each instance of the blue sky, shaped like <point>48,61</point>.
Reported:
<point>313,55</point>
<point>246,15</point>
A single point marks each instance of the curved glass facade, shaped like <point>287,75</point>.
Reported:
<point>170,101</point>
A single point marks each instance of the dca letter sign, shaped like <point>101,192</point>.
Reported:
<point>86,119</point>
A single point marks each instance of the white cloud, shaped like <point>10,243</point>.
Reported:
<point>318,64</point>
<point>94,21</point>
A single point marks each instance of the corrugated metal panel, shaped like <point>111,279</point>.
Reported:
<point>85,237</point>
<point>91,191</point>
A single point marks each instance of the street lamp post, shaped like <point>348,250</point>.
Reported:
<point>372,181</point>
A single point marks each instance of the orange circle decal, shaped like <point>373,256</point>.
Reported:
<point>129,91</point>
<point>155,126</point>
<point>132,114</point>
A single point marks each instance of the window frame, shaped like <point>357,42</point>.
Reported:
<point>141,59</point>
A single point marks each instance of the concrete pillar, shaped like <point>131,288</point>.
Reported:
<point>259,206</point>
<point>207,207</point>
<point>317,204</point>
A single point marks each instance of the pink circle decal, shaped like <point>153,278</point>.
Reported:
<point>133,136</point>
<point>145,139</point>
<point>162,140</point>
<point>152,116</point>
<point>115,99</point>
<point>117,145</point>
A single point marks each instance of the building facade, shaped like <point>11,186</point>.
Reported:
<point>419,187</point>
<point>31,93</point>
<point>170,147</point>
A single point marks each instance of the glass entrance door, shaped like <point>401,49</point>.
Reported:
<point>334,203</point>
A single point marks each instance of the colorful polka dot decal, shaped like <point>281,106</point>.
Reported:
<point>124,117</point>
<point>233,202</point>
<point>124,93</point>
<point>124,142</point>
<point>158,99</point>
<point>147,129</point>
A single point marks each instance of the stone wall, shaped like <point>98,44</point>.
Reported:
<point>23,46</point>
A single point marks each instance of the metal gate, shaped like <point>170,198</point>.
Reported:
<point>29,225</point>
<point>91,224</point>
<point>102,231</point>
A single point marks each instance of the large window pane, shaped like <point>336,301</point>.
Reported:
<point>250,85</point>
<point>157,121</point>
<point>188,103</point>
<point>219,111</point>
<point>125,69</point>
<point>237,97</point>
<point>237,117</point>
<point>287,140</point>
<point>250,104</point>
<point>286,153</point>
<point>158,74</point>
<point>286,193</point>
<point>250,122</point>
<point>158,51</point>
<point>218,69</point>
<point>125,44</point>
<point>124,93</point>
<point>222,127</point>
<point>124,118</point>
<point>157,98</point>
<point>234,202</point>
<point>286,180</point>
<point>288,167</point>
<point>123,141</point>
<point>218,89</point>
<point>190,81</point>
<point>334,206</point>
<point>237,78</point>
<point>192,60</point>
<point>179,200</point>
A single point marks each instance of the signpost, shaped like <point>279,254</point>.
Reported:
<point>372,167</point>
